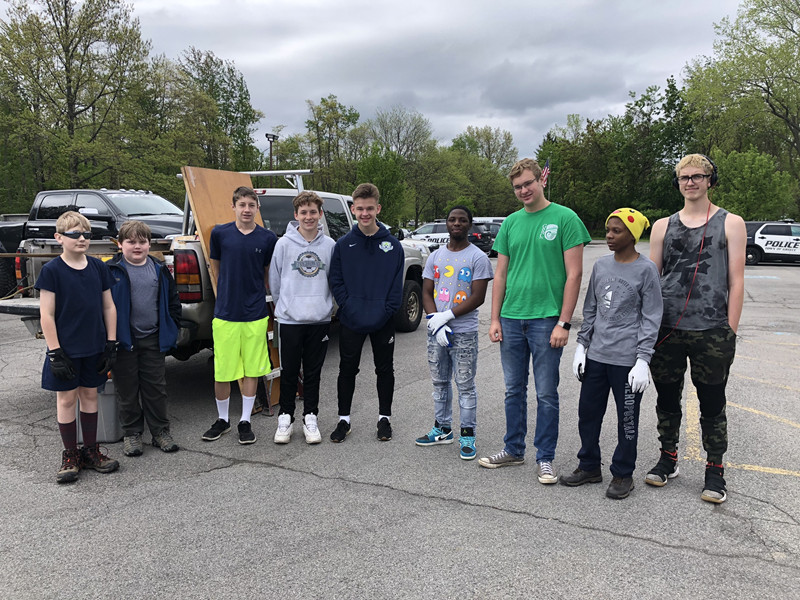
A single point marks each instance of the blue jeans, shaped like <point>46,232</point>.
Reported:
<point>523,339</point>
<point>461,361</point>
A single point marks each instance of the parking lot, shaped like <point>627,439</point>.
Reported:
<point>366,519</point>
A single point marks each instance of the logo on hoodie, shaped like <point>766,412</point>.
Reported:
<point>386,246</point>
<point>308,264</point>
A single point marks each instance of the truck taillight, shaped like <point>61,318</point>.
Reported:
<point>187,276</point>
<point>20,272</point>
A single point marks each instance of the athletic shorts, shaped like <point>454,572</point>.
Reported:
<point>85,375</point>
<point>240,349</point>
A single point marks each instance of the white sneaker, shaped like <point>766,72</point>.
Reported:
<point>311,430</point>
<point>284,432</point>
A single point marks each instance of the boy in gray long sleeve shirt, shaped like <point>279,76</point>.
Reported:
<point>621,317</point>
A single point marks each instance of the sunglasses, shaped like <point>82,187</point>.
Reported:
<point>74,235</point>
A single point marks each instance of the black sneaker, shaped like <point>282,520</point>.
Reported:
<point>93,458</point>
<point>579,477</point>
<point>666,468</point>
<point>70,466</point>
<point>620,487</point>
<point>384,430</point>
<point>246,435</point>
<point>219,427</point>
<point>341,432</point>
<point>714,488</point>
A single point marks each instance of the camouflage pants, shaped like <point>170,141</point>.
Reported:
<point>710,355</point>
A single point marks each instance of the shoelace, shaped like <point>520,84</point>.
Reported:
<point>311,425</point>
<point>467,440</point>
<point>545,468</point>
<point>499,456</point>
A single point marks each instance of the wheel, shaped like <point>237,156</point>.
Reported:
<point>8,279</point>
<point>752,255</point>
<point>410,313</point>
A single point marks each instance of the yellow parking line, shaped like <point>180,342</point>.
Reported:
<point>769,343</point>
<point>694,446</point>
<point>769,361</point>
<point>767,382</point>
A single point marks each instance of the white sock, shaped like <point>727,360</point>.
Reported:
<point>388,418</point>
<point>222,408</point>
<point>247,407</point>
<point>345,418</point>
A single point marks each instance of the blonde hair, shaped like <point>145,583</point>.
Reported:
<point>71,219</point>
<point>521,165</point>
<point>694,160</point>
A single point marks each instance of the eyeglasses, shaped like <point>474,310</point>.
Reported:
<point>696,178</point>
<point>527,184</point>
<point>74,235</point>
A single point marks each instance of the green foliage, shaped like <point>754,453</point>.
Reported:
<point>384,168</point>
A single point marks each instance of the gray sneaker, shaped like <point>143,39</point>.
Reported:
<point>545,473</point>
<point>132,445</point>
<point>163,440</point>
<point>501,459</point>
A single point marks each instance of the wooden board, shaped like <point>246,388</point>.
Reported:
<point>210,194</point>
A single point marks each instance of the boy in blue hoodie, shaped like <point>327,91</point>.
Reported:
<point>366,279</point>
<point>298,282</point>
<point>148,321</point>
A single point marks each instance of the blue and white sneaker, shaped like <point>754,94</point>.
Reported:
<point>468,451</point>
<point>436,436</point>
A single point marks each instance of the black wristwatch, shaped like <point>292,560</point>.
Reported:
<point>565,325</point>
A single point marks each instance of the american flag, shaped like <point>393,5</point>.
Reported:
<point>545,173</point>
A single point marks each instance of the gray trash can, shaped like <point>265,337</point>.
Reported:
<point>108,427</point>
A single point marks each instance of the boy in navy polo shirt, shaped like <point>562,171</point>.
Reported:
<point>79,323</point>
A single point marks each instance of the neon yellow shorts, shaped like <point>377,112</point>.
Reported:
<point>241,349</point>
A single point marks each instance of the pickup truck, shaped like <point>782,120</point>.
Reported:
<point>184,256</point>
<point>106,210</point>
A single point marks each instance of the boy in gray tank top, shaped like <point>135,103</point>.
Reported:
<point>700,253</point>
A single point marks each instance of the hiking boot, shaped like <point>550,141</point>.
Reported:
<point>285,427</point>
<point>311,430</point>
<point>435,437</point>
<point>545,473</point>
<point>341,432</point>
<point>163,440</point>
<point>620,487</point>
<point>246,435</point>
<point>468,451</point>
<point>132,445</point>
<point>70,466</point>
<point>501,459</point>
<point>579,477</point>
<point>94,458</point>
<point>219,427</point>
<point>666,468</point>
<point>384,430</point>
<point>714,488</point>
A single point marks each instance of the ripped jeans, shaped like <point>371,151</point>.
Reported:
<point>458,362</point>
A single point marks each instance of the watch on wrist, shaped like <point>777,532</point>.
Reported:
<point>565,325</point>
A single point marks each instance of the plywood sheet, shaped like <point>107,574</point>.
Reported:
<point>210,194</point>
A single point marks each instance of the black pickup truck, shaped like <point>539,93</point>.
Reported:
<point>106,210</point>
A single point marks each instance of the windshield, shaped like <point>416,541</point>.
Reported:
<point>132,204</point>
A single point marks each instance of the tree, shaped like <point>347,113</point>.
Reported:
<point>327,128</point>
<point>405,132</point>
<point>495,145</point>
<point>384,168</point>
<point>68,67</point>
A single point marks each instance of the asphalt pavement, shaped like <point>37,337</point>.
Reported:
<point>370,519</point>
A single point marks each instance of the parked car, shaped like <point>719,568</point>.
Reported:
<point>437,232</point>
<point>772,241</point>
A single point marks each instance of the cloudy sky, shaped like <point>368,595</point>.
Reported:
<point>519,65</point>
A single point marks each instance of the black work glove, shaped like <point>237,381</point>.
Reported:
<point>109,356</point>
<point>60,364</point>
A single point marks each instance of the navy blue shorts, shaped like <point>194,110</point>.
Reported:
<point>85,375</point>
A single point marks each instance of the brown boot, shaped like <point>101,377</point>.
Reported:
<point>70,466</point>
<point>93,458</point>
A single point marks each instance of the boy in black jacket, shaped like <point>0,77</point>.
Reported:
<point>366,279</point>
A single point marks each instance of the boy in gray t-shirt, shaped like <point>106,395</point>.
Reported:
<point>621,316</point>
<point>454,285</point>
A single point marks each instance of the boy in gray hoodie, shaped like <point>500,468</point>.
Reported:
<point>298,282</point>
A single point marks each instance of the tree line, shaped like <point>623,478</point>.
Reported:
<point>83,104</point>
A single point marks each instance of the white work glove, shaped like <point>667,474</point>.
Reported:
<point>439,319</point>
<point>639,376</point>
<point>579,362</point>
<point>441,336</point>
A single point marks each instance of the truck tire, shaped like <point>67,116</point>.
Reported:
<point>8,279</point>
<point>753,255</point>
<point>410,313</point>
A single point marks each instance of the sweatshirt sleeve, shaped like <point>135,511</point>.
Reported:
<point>336,278</point>
<point>275,269</point>
<point>589,312</point>
<point>652,309</point>
<point>395,296</point>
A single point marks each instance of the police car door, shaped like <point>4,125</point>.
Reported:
<point>777,240</point>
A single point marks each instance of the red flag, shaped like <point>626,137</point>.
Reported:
<point>545,173</point>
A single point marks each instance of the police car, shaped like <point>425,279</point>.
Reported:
<point>437,232</point>
<point>772,241</point>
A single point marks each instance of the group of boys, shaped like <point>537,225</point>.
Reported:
<point>683,302</point>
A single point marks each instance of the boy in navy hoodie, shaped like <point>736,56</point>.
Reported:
<point>148,321</point>
<point>366,279</point>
